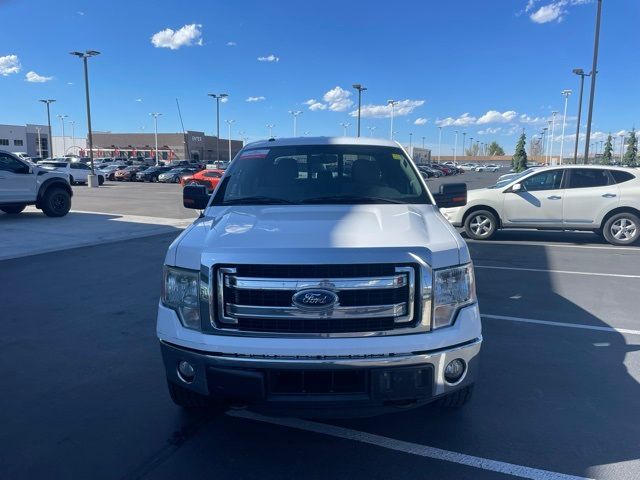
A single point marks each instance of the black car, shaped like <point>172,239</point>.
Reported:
<point>151,174</point>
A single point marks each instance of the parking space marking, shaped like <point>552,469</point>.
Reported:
<point>561,324</point>
<point>567,272</point>
<point>408,447</point>
<point>550,244</point>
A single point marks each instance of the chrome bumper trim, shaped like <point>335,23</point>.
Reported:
<point>372,311</point>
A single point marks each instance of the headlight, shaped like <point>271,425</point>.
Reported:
<point>181,293</point>
<point>452,288</point>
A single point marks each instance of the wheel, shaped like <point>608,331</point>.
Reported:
<point>185,398</point>
<point>622,229</point>
<point>71,180</point>
<point>481,225</point>
<point>56,202</point>
<point>13,209</point>
<point>456,399</point>
<point>100,180</point>
<point>176,180</point>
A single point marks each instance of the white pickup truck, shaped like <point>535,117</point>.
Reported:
<point>320,279</point>
<point>23,183</point>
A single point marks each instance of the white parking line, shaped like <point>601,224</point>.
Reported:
<point>567,272</point>
<point>549,244</point>
<point>561,324</point>
<point>408,447</point>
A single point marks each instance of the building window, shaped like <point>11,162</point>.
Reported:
<point>4,141</point>
<point>17,143</point>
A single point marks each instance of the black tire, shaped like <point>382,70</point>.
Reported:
<point>185,398</point>
<point>176,180</point>
<point>622,229</point>
<point>56,202</point>
<point>100,180</point>
<point>71,180</point>
<point>13,209</point>
<point>456,399</point>
<point>481,225</point>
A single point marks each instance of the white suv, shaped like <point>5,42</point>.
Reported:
<point>603,199</point>
<point>321,278</point>
<point>78,172</point>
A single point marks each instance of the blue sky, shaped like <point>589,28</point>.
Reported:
<point>503,63</point>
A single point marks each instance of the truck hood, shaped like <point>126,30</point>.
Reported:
<point>319,234</point>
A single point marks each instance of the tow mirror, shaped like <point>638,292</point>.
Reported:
<point>451,195</point>
<point>195,196</point>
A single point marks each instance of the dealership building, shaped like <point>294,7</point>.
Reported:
<point>30,139</point>
<point>171,146</point>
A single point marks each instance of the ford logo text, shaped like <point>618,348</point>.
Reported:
<point>315,299</point>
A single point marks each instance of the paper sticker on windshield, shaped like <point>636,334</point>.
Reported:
<point>255,153</point>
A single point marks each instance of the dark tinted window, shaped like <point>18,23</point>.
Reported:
<point>212,175</point>
<point>620,176</point>
<point>588,177</point>
<point>549,180</point>
<point>10,164</point>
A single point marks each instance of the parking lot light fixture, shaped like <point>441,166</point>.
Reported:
<point>455,146</point>
<point>392,104</point>
<point>345,126</point>
<point>371,130</point>
<point>270,127</point>
<point>440,142</point>
<point>423,142</point>
<point>295,114</point>
<point>155,116</point>
<point>48,102</point>
<point>64,143</point>
<point>218,96</point>
<point>581,74</point>
<point>553,128</point>
<point>360,89</point>
<point>229,122</point>
<point>565,94</point>
<point>92,181</point>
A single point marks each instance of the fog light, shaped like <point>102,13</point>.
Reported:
<point>454,370</point>
<point>186,371</point>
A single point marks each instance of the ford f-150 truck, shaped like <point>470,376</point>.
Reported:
<point>320,279</point>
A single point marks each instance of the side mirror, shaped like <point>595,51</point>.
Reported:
<point>195,196</point>
<point>451,195</point>
<point>516,188</point>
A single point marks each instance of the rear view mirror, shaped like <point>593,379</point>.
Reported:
<point>516,188</point>
<point>451,195</point>
<point>195,196</point>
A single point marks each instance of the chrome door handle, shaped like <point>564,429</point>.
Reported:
<point>554,197</point>
<point>609,195</point>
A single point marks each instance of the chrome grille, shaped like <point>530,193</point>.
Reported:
<point>258,298</point>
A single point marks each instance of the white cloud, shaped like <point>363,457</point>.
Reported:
<point>255,99</point>
<point>269,58</point>
<point>552,12</point>
<point>138,99</point>
<point>231,44</point>
<point>338,99</point>
<point>401,108</point>
<point>528,120</point>
<point>489,131</point>
<point>70,83</point>
<point>420,121</point>
<point>33,77</point>
<point>530,5</point>
<point>174,39</point>
<point>464,119</point>
<point>80,13</point>
<point>621,132</point>
<point>9,64</point>
<point>493,116</point>
<point>315,105</point>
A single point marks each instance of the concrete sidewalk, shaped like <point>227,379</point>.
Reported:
<point>31,232</point>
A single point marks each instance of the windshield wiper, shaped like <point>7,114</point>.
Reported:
<point>256,201</point>
<point>350,199</point>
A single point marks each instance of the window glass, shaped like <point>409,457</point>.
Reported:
<point>549,180</point>
<point>619,176</point>
<point>588,177</point>
<point>212,175</point>
<point>18,143</point>
<point>10,164</point>
<point>4,141</point>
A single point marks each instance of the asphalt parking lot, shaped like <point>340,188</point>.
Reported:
<point>84,393</point>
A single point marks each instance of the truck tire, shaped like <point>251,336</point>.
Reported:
<point>71,180</point>
<point>100,180</point>
<point>481,225</point>
<point>456,399</point>
<point>13,209</point>
<point>187,399</point>
<point>56,202</point>
<point>622,229</point>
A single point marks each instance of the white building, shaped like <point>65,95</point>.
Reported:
<point>30,139</point>
<point>68,146</point>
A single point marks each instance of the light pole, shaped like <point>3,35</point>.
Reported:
<point>270,127</point>
<point>50,139</point>
<point>471,145</point>
<point>621,146</point>
<point>580,72</point>
<point>439,142</point>
<point>455,147</point>
<point>229,122</point>
<point>594,73</point>
<point>360,89</point>
<point>73,133</point>
<point>39,143</point>
<point>64,143</point>
<point>543,151</point>
<point>565,94</point>
<point>295,121</point>
<point>549,140</point>
<point>155,116</point>
<point>410,143</point>
<point>553,129</point>
<point>218,96</point>
<point>92,180</point>
<point>345,126</point>
<point>464,137</point>
<point>392,103</point>
<point>423,142</point>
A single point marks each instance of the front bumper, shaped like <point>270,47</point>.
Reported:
<point>327,386</point>
<point>453,215</point>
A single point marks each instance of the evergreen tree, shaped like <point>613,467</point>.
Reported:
<point>494,149</point>
<point>519,160</point>
<point>607,155</point>
<point>631,155</point>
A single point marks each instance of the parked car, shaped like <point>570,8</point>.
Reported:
<point>151,174</point>
<point>431,172</point>
<point>173,175</point>
<point>78,172</point>
<point>208,178</point>
<point>23,183</point>
<point>268,299</point>
<point>128,174</point>
<point>109,171</point>
<point>602,199</point>
<point>487,168</point>
<point>468,166</point>
<point>444,169</point>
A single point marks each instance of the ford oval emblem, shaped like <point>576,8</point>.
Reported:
<point>315,299</point>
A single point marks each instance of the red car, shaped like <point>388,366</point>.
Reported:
<point>208,178</point>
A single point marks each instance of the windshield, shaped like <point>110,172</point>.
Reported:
<point>323,174</point>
